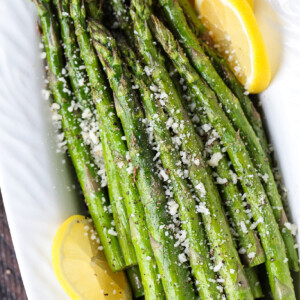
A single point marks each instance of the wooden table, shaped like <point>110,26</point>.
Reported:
<point>11,285</point>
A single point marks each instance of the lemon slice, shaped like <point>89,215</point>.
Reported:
<point>80,265</point>
<point>251,3</point>
<point>236,34</point>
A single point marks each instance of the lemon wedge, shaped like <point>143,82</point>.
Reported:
<point>236,34</point>
<point>251,3</point>
<point>80,265</point>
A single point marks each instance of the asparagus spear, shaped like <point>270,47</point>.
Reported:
<point>192,18</point>
<point>191,222</point>
<point>247,237</point>
<point>250,247</point>
<point>109,126</point>
<point>93,8</point>
<point>254,282</point>
<point>225,72</point>
<point>232,82</point>
<point>174,276</point>
<point>248,240</point>
<point>135,280</point>
<point>175,11</point>
<point>133,273</point>
<point>234,110</point>
<point>121,13</point>
<point>276,263</point>
<point>118,206</point>
<point>226,257</point>
<point>78,78</point>
<point>122,221</point>
<point>95,196</point>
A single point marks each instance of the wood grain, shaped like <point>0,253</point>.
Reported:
<point>11,285</point>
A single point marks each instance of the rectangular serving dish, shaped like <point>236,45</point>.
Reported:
<point>36,183</point>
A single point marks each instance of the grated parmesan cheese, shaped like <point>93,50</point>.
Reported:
<point>292,227</point>
<point>182,258</point>
<point>254,225</point>
<point>221,180</point>
<point>111,231</point>
<point>200,187</point>
<point>173,207</point>
<point>215,158</point>
<point>243,227</point>
<point>218,267</point>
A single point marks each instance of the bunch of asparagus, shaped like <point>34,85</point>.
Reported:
<point>191,208</point>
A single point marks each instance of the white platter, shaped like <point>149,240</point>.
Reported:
<point>35,182</point>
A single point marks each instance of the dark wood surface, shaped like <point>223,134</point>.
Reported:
<point>11,285</point>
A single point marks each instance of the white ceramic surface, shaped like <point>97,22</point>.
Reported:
<point>34,181</point>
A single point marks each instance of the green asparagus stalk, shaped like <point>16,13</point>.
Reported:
<point>77,74</point>
<point>234,110</point>
<point>233,83</point>
<point>175,11</point>
<point>95,196</point>
<point>135,280</point>
<point>118,206</point>
<point>191,222</point>
<point>121,12</point>
<point>175,277</point>
<point>250,247</point>
<point>231,192</point>
<point>193,19</point>
<point>225,72</point>
<point>227,261</point>
<point>79,80</point>
<point>248,239</point>
<point>254,282</point>
<point>94,9</point>
<point>276,263</point>
<point>133,273</point>
<point>133,62</point>
<point>110,127</point>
